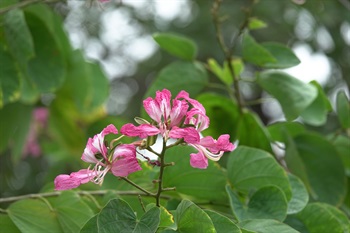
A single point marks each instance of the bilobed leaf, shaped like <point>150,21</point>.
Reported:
<point>323,167</point>
<point>72,212</point>
<point>293,95</point>
<point>47,69</point>
<point>255,53</point>
<point>284,56</point>
<point>166,218</point>
<point>10,79</point>
<point>33,216</point>
<point>221,223</point>
<point>90,226</point>
<point>176,45</point>
<point>207,184</point>
<point>18,36</point>
<point>190,218</point>
<point>321,217</point>
<point>117,216</point>
<point>249,122</point>
<point>250,169</point>
<point>300,196</point>
<point>316,113</point>
<point>343,110</point>
<point>189,76</point>
<point>266,226</point>
<point>255,23</point>
<point>268,202</point>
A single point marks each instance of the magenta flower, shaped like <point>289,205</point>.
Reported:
<point>184,119</point>
<point>208,148</point>
<point>120,162</point>
<point>166,115</point>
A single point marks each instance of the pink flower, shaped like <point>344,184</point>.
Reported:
<point>208,148</point>
<point>169,117</point>
<point>121,162</point>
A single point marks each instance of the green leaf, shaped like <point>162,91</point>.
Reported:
<point>190,218</point>
<point>207,184</point>
<point>96,85</point>
<point>284,56</point>
<point>47,69</point>
<point>90,226</point>
<point>343,110</point>
<point>321,217</point>
<point>177,45</point>
<point>166,218</point>
<point>255,53</point>
<point>33,216</point>
<point>277,130</point>
<point>323,167</point>
<point>10,79</point>
<point>268,202</point>
<point>117,216</point>
<point>189,76</point>
<point>224,73</point>
<point>221,223</point>
<point>14,128</point>
<point>342,145</point>
<point>18,36</point>
<point>72,212</point>
<point>300,196</point>
<point>316,113</point>
<point>255,23</point>
<point>266,226</point>
<point>250,122</point>
<point>250,169</point>
<point>7,225</point>
<point>293,95</point>
<point>223,114</point>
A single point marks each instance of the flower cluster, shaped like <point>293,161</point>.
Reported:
<point>182,119</point>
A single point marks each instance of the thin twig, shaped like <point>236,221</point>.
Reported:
<point>138,187</point>
<point>82,193</point>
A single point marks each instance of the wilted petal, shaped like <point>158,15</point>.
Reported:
<point>124,160</point>
<point>199,160</point>
<point>141,131</point>
<point>65,182</point>
<point>222,144</point>
<point>189,134</point>
<point>178,112</point>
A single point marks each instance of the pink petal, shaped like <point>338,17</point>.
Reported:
<point>124,160</point>
<point>198,161</point>
<point>197,118</point>
<point>65,182</point>
<point>178,112</point>
<point>109,129</point>
<point>124,151</point>
<point>125,166</point>
<point>195,103</point>
<point>141,131</point>
<point>224,143</point>
<point>189,134</point>
<point>163,99</point>
<point>152,109</point>
<point>89,153</point>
